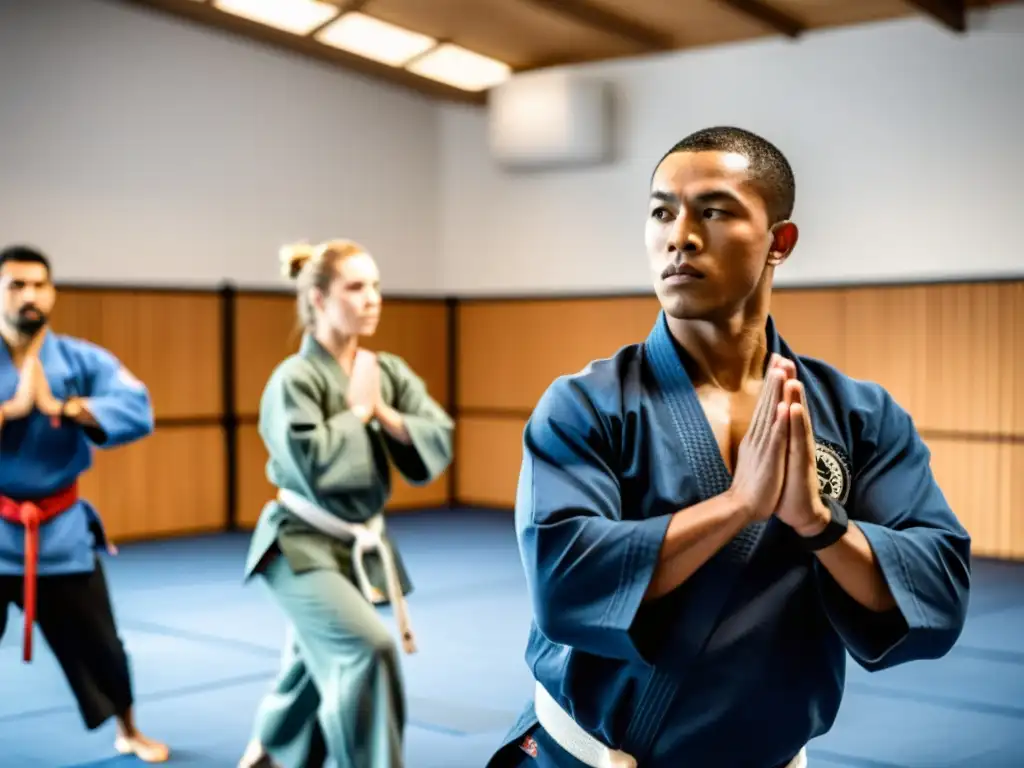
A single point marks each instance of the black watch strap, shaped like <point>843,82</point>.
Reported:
<point>834,531</point>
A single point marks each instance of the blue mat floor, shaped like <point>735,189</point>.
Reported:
<point>205,648</point>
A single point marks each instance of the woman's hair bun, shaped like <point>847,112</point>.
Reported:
<point>294,257</point>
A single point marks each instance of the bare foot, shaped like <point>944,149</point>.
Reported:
<point>130,741</point>
<point>256,757</point>
<point>147,750</point>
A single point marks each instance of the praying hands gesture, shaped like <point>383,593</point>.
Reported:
<point>760,471</point>
<point>24,400</point>
<point>365,400</point>
<point>799,506</point>
<point>364,385</point>
<point>45,401</point>
<point>33,392</point>
<point>776,472</point>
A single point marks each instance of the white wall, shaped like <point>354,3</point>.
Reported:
<point>136,148</point>
<point>907,141</point>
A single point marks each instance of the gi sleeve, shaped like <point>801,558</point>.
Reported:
<point>587,569</point>
<point>430,428</point>
<point>920,546</point>
<point>118,402</point>
<point>333,455</point>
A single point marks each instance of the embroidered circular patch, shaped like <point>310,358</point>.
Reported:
<point>833,472</point>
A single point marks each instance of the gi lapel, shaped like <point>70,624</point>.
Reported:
<point>327,365</point>
<point>712,585</point>
<point>311,349</point>
<point>679,398</point>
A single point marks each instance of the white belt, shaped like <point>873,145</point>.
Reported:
<point>565,732</point>
<point>366,537</point>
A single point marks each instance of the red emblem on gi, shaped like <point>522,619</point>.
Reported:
<point>529,746</point>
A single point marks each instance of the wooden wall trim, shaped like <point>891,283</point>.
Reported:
<point>183,422</point>
<point>452,310</point>
<point>228,317</point>
<point>242,289</point>
<point>239,289</point>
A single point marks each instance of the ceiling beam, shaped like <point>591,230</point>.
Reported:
<point>951,14</point>
<point>207,15</point>
<point>344,6</point>
<point>348,6</point>
<point>609,22</point>
<point>775,19</point>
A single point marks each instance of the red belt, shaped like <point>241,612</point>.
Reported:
<point>32,514</point>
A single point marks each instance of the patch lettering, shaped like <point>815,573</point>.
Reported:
<point>833,471</point>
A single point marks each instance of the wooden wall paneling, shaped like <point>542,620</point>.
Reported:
<point>172,482</point>
<point>489,452</point>
<point>966,361</point>
<point>973,478</point>
<point>887,342</point>
<point>983,480</point>
<point>265,334</point>
<point>509,352</point>
<point>169,340</point>
<point>943,351</point>
<point>253,488</point>
<point>813,322</point>
<point>1012,529</point>
<point>1011,299</point>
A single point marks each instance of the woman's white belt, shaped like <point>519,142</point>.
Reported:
<point>565,732</point>
<point>366,537</point>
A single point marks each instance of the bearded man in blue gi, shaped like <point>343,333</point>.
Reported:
<point>710,521</point>
<point>60,398</point>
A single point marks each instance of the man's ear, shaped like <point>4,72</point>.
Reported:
<point>784,237</point>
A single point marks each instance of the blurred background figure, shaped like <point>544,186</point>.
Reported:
<point>62,398</point>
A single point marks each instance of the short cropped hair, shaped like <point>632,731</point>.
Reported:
<point>769,168</point>
<point>24,254</point>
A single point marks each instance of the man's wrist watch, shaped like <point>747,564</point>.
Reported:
<point>835,529</point>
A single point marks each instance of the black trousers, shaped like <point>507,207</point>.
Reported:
<point>74,615</point>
